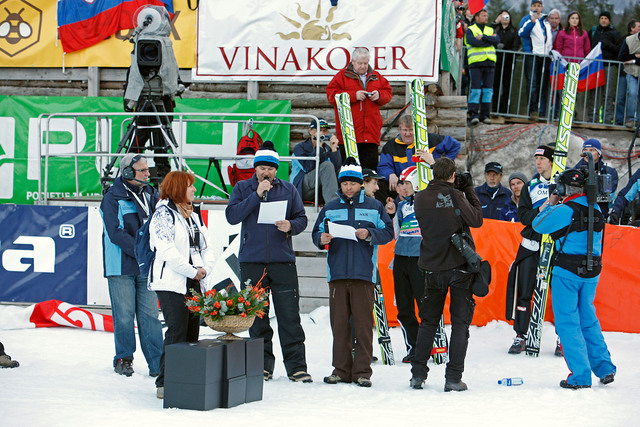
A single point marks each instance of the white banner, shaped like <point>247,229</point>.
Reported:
<point>310,41</point>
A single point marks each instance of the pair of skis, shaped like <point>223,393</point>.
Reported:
<point>440,350</point>
<point>343,103</point>
<point>539,301</point>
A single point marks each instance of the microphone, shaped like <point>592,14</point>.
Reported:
<point>326,230</point>
<point>264,195</point>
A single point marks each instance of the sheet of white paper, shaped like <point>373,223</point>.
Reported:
<point>342,231</point>
<point>270,212</point>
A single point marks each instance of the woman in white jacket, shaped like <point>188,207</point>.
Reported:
<point>183,260</point>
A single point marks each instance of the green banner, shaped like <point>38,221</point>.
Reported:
<point>449,58</point>
<point>198,135</point>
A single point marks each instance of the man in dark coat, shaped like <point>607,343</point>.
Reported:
<point>611,40</point>
<point>492,194</point>
<point>435,210</point>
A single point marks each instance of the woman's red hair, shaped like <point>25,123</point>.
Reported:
<point>174,186</point>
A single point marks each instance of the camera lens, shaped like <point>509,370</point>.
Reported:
<point>149,53</point>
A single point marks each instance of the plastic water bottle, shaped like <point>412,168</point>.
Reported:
<point>510,381</point>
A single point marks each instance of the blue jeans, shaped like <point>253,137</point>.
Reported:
<point>632,96</point>
<point>130,297</point>
<point>621,100</point>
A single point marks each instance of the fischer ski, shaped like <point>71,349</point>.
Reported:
<point>539,301</point>
<point>440,351</point>
<point>379,309</point>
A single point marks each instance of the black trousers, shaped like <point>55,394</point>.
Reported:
<point>368,153</point>
<point>526,283</point>
<point>182,325</point>
<point>461,307</point>
<point>409,284</point>
<point>281,281</point>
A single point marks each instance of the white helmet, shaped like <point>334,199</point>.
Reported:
<point>410,174</point>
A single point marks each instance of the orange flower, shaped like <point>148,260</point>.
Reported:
<point>247,303</point>
<point>260,313</point>
<point>229,303</point>
<point>243,315</point>
<point>240,299</point>
<point>216,304</point>
<point>214,313</point>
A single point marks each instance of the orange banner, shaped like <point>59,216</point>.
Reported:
<point>618,294</point>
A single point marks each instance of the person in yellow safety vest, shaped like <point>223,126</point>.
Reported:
<point>481,42</point>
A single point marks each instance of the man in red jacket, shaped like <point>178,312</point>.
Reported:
<point>368,90</point>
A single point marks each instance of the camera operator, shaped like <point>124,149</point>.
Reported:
<point>594,147</point>
<point>574,280</point>
<point>303,175</point>
<point>441,210</point>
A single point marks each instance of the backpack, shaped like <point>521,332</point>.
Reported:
<point>142,248</point>
<point>243,168</point>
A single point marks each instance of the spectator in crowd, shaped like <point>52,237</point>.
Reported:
<point>630,55</point>
<point>303,171</point>
<point>509,212</point>
<point>352,273</point>
<point>125,207</point>
<point>442,210</point>
<point>633,27</point>
<point>481,41</point>
<point>408,279</point>
<point>627,197</point>
<point>595,148</point>
<point>492,194</point>
<point>266,253</point>
<point>572,288</point>
<point>554,19</point>
<point>509,40</point>
<point>398,154</point>
<point>537,39</point>
<point>368,91</point>
<point>611,40</point>
<point>460,28</point>
<point>184,260</point>
<point>573,43</point>
<point>5,359</point>
<point>370,183</point>
<point>522,273</point>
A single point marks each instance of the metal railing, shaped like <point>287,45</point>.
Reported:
<point>524,84</point>
<point>104,148</point>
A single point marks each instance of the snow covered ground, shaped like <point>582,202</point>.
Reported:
<point>65,378</point>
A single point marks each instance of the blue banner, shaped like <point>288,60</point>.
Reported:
<point>44,253</point>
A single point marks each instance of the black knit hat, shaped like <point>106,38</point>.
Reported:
<point>605,13</point>
<point>545,151</point>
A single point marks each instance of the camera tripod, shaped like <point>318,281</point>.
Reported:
<point>158,130</point>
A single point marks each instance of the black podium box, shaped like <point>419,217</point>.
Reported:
<point>193,375</point>
<point>211,374</point>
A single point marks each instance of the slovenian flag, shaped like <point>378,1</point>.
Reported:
<point>476,6</point>
<point>83,23</point>
<point>591,70</point>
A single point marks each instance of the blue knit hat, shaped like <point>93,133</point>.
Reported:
<point>266,156</point>
<point>350,171</point>
<point>593,143</point>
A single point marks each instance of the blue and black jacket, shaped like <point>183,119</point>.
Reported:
<point>627,194</point>
<point>349,259</point>
<point>492,199</point>
<point>397,155</point>
<point>264,243</point>
<point>122,216</point>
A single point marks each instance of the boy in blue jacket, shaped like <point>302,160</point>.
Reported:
<point>351,273</point>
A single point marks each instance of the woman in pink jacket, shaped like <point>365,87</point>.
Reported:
<point>572,43</point>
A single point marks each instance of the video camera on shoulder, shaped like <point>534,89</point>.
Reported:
<point>595,184</point>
